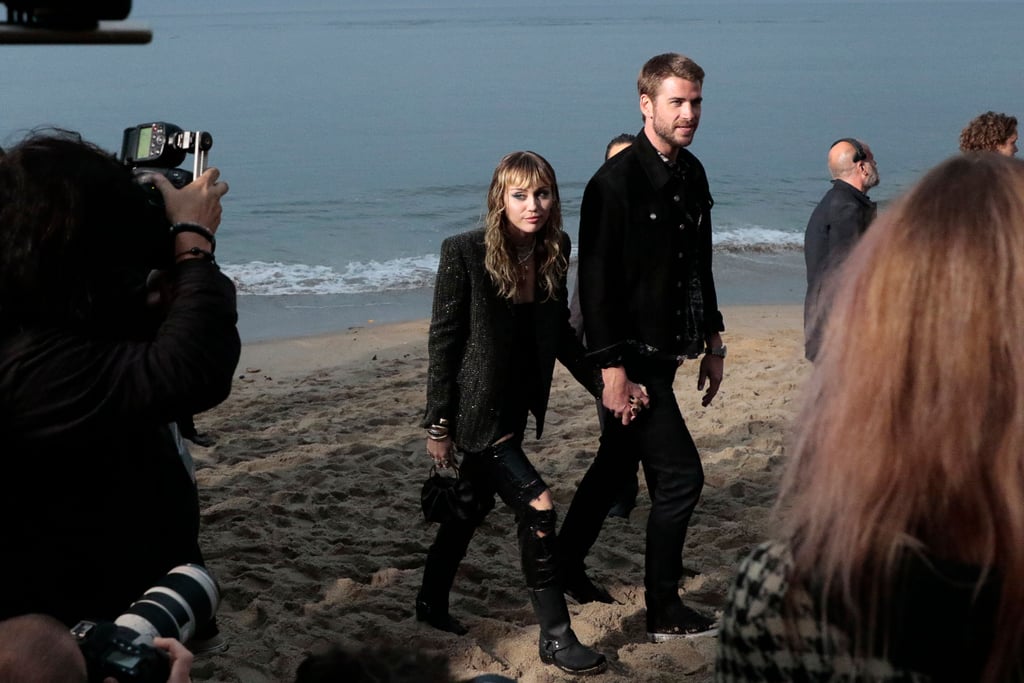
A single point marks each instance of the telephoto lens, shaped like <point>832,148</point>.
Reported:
<point>185,598</point>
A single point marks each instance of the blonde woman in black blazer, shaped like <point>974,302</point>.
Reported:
<point>500,320</point>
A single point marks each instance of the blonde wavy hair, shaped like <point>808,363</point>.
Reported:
<point>523,169</point>
<point>911,437</point>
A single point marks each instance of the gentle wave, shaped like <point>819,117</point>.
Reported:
<point>260,278</point>
<point>757,239</point>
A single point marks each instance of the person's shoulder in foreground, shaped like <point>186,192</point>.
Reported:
<point>877,580</point>
<point>774,631</point>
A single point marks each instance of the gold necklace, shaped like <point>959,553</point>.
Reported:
<point>523,254</point>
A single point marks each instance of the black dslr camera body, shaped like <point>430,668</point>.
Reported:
<point>123,649</point>
<point>161,147</point>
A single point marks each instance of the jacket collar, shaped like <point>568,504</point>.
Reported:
<point>844,186</point>
<point>658,172</point>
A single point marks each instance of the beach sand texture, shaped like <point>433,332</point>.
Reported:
<point>311,519</point>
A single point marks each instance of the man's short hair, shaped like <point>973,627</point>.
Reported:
<point>661,67</point>
<point>36,648</point>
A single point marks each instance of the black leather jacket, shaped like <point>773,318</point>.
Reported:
<point>471,345</point>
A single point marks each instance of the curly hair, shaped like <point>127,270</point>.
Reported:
<point>522,169</point>
<point>986,132</point>
<point>78,235</point>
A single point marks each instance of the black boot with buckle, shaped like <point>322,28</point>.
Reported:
<point>558,644</point>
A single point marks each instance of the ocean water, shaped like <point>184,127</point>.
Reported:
<point>357,135</point>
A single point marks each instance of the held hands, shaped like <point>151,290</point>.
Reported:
<point>622,396</point>
<point>198,202</point>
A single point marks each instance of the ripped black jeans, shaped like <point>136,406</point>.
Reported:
<point>504,470</point>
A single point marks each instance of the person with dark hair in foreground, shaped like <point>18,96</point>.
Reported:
<point>96,504</point>
<point>500,319</point>
<point>899,554</point>
<point>380,664</point>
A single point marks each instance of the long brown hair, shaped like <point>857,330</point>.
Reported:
<point>523,169</point>
<point>912,432</point>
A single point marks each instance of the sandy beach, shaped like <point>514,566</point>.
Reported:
<point>311,519</point>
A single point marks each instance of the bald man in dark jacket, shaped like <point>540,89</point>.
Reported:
<point>836,224</point>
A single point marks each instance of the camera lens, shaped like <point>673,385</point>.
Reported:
<point>188,595</point>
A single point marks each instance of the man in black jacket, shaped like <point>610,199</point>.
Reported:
<point>648,299</point>
<point>836,224</point>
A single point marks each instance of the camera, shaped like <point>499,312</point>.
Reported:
<point>123,649</point>
<point>160,147</point>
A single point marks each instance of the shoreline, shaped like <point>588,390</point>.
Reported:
<point>380,341</point>
<point>741,279</point>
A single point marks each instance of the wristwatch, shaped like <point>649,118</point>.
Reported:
<point>720,351</point>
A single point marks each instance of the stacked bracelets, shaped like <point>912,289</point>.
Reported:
<point>179,228</point>
<point>438,432</point>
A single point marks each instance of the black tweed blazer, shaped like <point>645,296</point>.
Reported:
<point>471,345</point>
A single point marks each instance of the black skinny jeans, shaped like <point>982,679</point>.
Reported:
<point>504,470</point>
<point>659,439</point>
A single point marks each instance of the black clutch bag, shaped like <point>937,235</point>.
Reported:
<point>447,498</point>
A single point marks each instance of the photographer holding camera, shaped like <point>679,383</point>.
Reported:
<point>36,648</point>
<point>95,504</point>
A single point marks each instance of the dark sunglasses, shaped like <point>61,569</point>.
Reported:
<point>860,154</point>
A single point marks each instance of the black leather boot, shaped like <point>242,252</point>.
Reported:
<point>443,560</point>
<point>438,617</point>
<point>558,644</point>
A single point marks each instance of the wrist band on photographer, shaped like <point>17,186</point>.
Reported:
<point>197,252</point>
<point>179,228</point>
